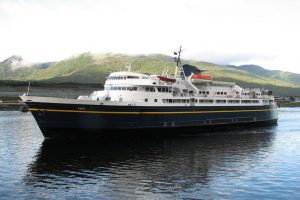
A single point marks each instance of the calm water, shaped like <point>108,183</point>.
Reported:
<point>250,164</point>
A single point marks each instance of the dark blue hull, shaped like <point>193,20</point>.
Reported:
<point>61,120</point>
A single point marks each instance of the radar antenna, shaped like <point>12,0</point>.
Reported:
<point>179,73</point>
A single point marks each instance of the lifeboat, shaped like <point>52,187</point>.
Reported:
<point>202,76</point>
<point>163,78</point>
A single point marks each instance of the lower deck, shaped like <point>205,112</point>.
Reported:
<point>55,118</point>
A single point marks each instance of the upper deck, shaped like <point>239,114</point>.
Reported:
<point>187,85</point>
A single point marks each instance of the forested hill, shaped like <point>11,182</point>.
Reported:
<point>275,74</point>
<point>89,68</point>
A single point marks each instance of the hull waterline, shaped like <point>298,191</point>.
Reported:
<point>71,120</point>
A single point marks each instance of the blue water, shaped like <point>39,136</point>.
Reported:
<point>257,163</point>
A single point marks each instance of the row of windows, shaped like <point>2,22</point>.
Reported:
<point>122,77</point>
<point>221,93</point>
<point>213,84</point>
<point>147,89</point>
<point>188,100</point>
<point>164,89</point>
<point>176,100</point>
<point>220,85</point>
<point>208,101</point>
<point>247,93</point>
<point>203,92</point>
<point>121,88</point>
<point>220,101</point>
<point>192,100</point>
<point>159,89</point>
<point>233,101</point>
<point>250,101</point>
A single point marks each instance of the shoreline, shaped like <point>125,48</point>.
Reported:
<point>293,105</point>
<point>16,106</point>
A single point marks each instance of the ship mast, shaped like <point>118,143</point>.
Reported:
<point>179,73</point>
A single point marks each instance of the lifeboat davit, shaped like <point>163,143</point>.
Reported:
<point>202,76</point>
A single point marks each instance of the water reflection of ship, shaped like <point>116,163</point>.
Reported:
<point>177,162</point>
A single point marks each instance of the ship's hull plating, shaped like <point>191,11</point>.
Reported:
<point>61,120</point>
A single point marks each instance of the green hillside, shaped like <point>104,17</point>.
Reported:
<point>275,74</point>
<point>89,69</point>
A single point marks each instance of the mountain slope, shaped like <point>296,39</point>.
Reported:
<point>90,68</point>
<point>274,74</point>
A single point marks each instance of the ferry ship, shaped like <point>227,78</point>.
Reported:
<point>141,103</point>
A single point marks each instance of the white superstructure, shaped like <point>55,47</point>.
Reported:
<point>194,89</point>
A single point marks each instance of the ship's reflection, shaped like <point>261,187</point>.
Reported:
<point>163,164</point>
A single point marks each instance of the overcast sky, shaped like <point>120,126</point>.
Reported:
<point>262,32</point>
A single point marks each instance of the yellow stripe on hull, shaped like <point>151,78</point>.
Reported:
<point>147,113</point>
